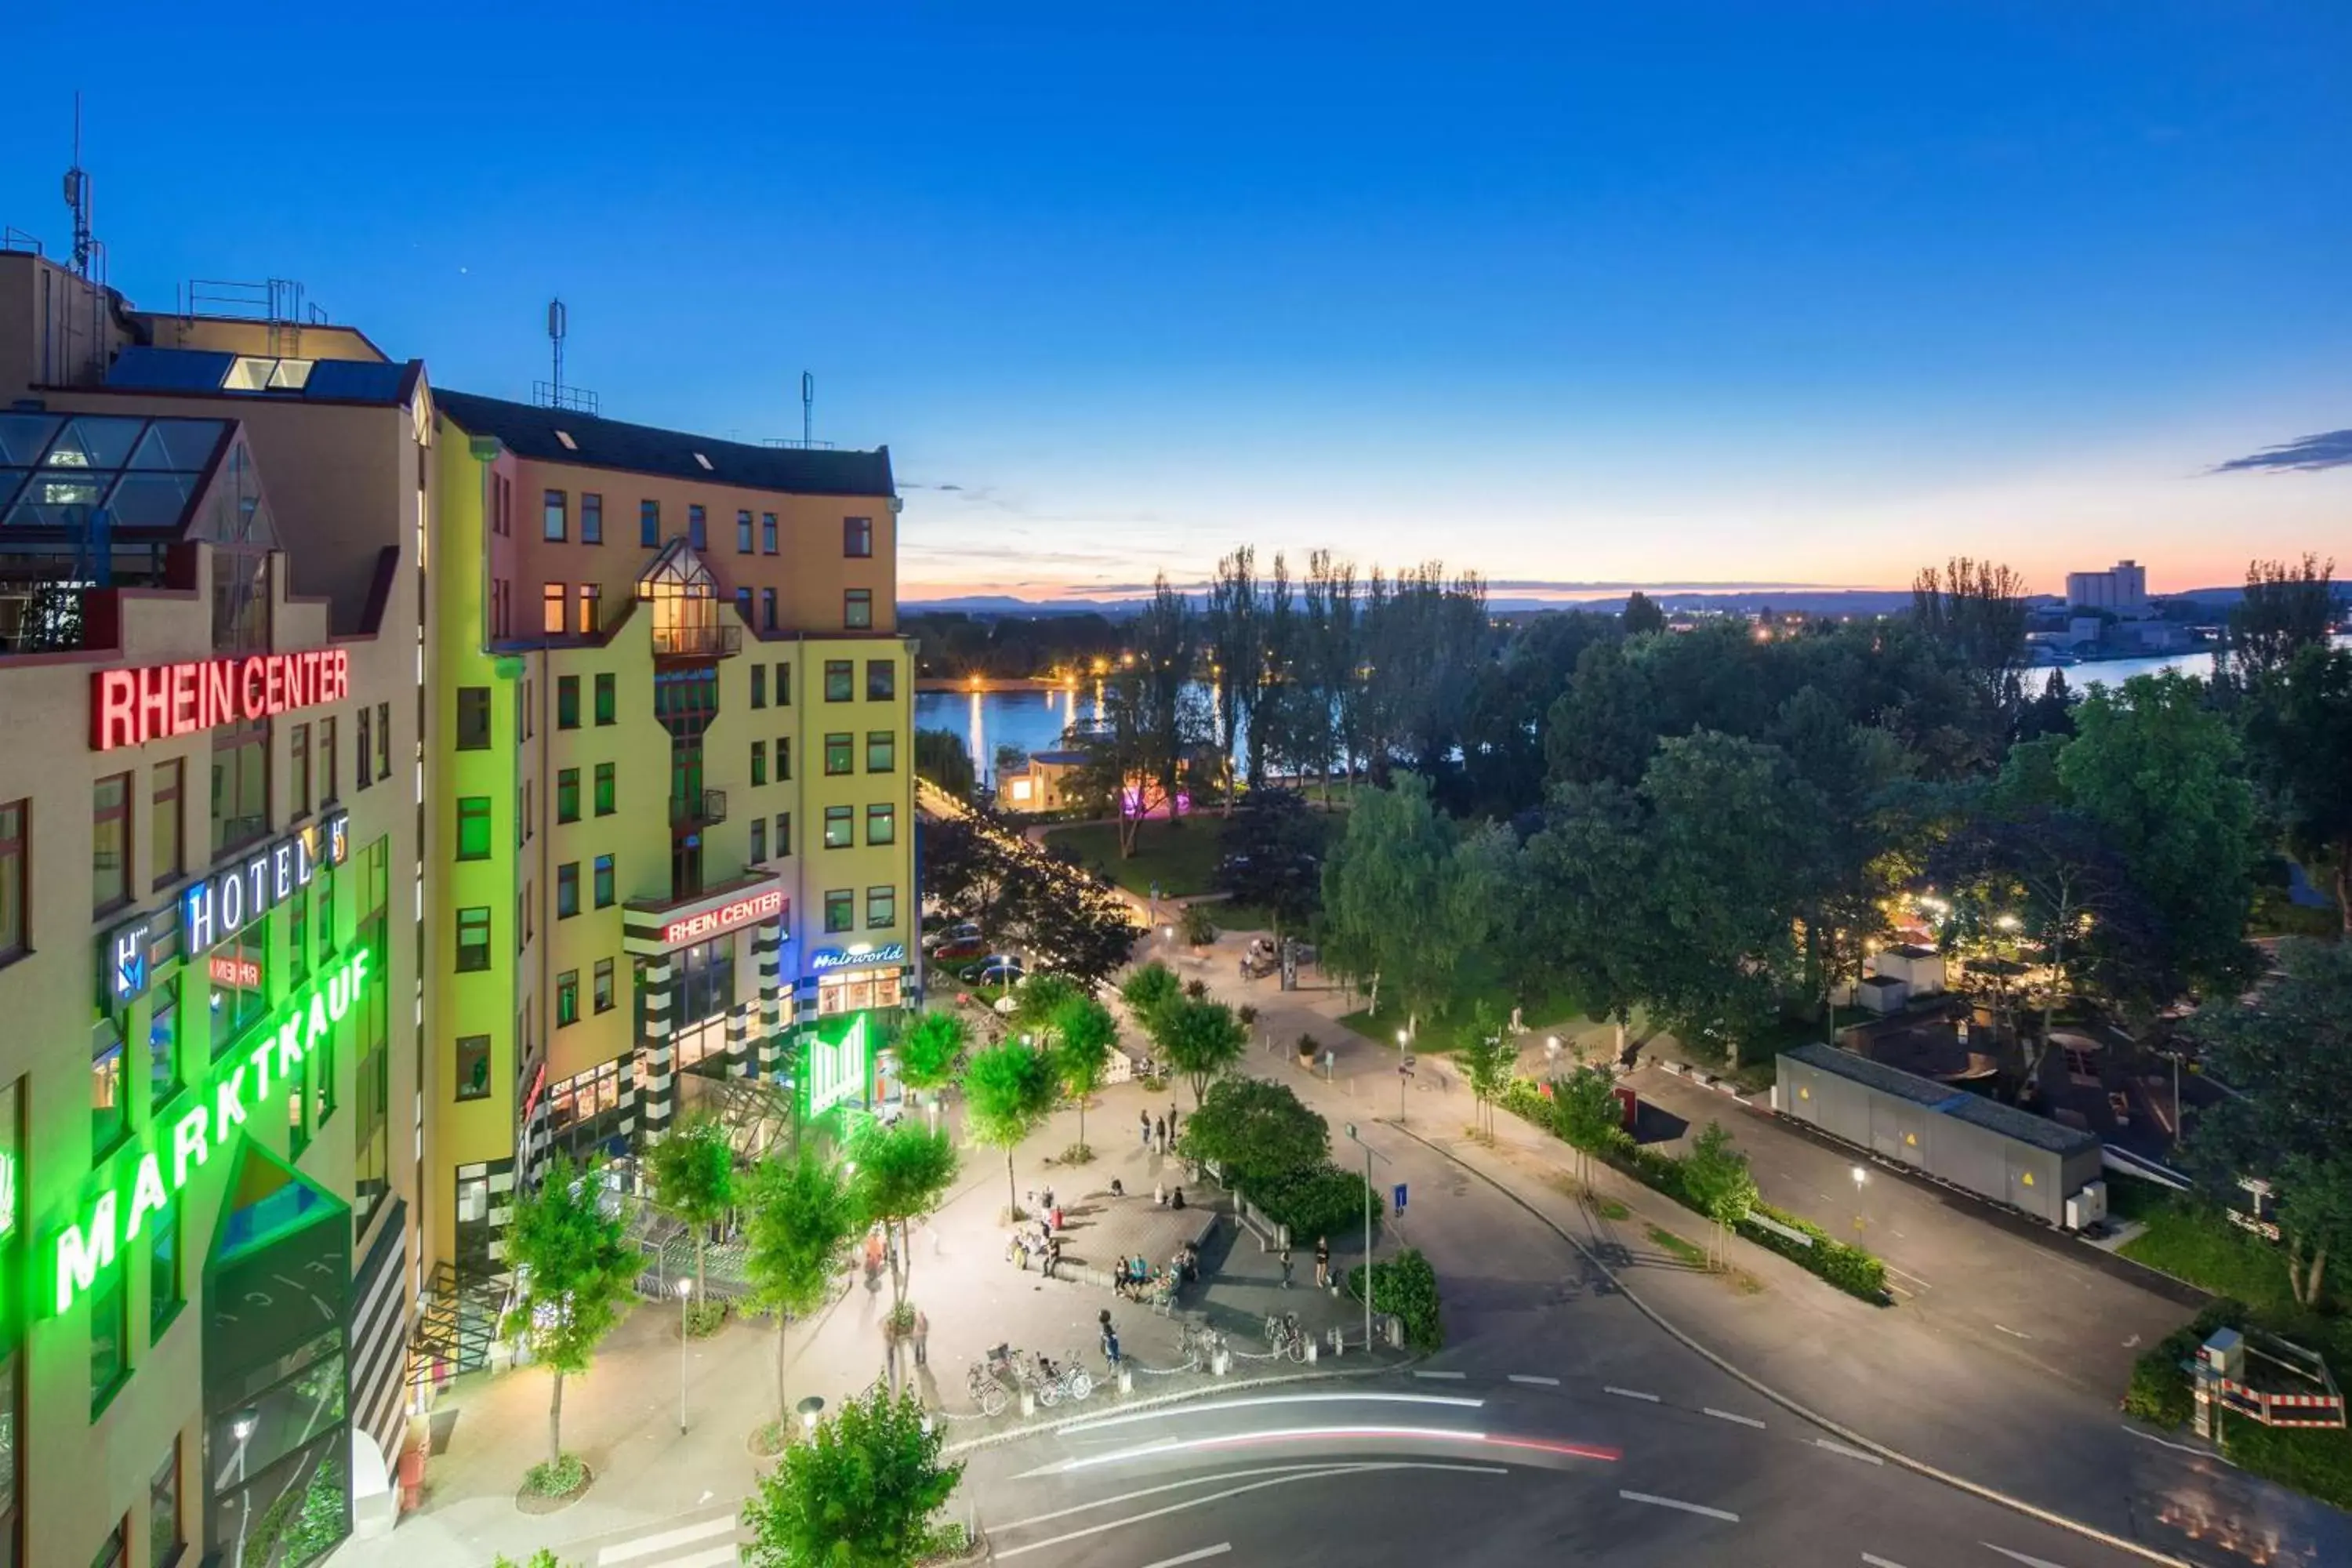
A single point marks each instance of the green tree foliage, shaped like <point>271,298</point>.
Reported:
<point>801,1216</point>
<point>1975,610</point>
<point>904,1171</point>
<point>940,756</point>
<point>1257,1131</point>
<point>692,1174</point>
<point>1149,993</point>
<point>1406,1287</point>
<point>1084,1034</point>
<point>1718,1182</point>
<point>1009,1090</point>
<point>1603,727</point>
<point>927,1047</point>
<point>1039,1001</point>
<point>861,1494</point>
<point>1150,716</point>
<point>2286,608</point>
<point>2298,729</point>
<point>1503,760</point>
<point>1202,1039</point>
<point>1409,898</point>
<point>1274,856</point>
<point>543,1558</point>
<point>1067,921</point>
<point>1584,879</point>
<point>1587,1116</point>
<point>1233,639</point>
<point>572,1275</point>
<point>2291,1121</point>
<point>1642,614</point>
<point>1486,1060</point>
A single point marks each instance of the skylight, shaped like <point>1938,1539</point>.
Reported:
<point>704,461</point>
<point>569,444</point>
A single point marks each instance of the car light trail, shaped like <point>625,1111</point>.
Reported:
<point>1339,1434</point>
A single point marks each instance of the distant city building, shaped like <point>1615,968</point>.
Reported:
<point>2121,589</point>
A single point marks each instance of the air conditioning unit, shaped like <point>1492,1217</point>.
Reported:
<point>2088,1208</point>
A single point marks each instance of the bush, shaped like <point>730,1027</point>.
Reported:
<point>1406,1285</point>
<point>1199,929</point>
<point>1850,1268</point>
<point>704,1318</point>
<point>2159,1391</point>
<point>556,1477</point>
<point>1324,1201</point>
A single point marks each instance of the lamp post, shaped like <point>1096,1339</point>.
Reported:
<point>1404,1071</point>
<point>1860,1176</point>
<point>808,1410</point>
<point>1368,1157</point>
<point>685,1289</point>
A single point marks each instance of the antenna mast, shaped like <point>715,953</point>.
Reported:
<point>558,322</point>
<point>808,408</point>
<point>78,198</point>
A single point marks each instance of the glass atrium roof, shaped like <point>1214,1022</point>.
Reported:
<point>58,470</point>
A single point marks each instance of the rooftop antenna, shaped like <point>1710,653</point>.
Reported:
<point>558,322</point>
<point>78,198</point>
<point>808,407</point>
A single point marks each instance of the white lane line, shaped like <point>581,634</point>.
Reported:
<point>1213,1407</point>
<point>1850,1453</point>
<point>2014,1333</point>
<point>1722,1514</point>
<point>1629,1394</point>
<point>1529,1377</point>
<point>1187,1485</point>
<point>1219,1550</point>
<point>2017,1556</point>
<point>1727,1415</point>
<point>1455,1376</point>
<point>685,1535</point>
<point>2164,1443</point>
<point>1879,1561</point>
<point>1005,1552</point>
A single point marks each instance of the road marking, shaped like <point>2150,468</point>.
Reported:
<point>1727,1415</point>
<point>1004,1553</point>
<point>1318,1465</point>
<point>1630,1394</point>
<point>1722,1514</point>
<point>1219,1550</point>
<point>1529,1377</point>
<point>1879,1561</point>
<point>2166,1443</point>
<point>717,1557</point>
<point>2017,1556</point>
<point>2017,1333</point>
<point>685,1535</point>
<point>1850,1453</point>
<point>1455,1376</point>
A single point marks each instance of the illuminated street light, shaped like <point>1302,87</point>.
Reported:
<point>810,1408</point>
<point>685,1289</point>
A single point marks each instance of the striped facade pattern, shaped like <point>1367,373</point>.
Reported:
<point>752,1026</point>
<point>499,1177</point>
<point>378,1334</point>
<point>768,962</point>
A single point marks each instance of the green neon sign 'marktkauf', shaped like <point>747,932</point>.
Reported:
<point>138,1180</point>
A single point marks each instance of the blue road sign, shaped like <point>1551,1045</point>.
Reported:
<point>1400,1197</point>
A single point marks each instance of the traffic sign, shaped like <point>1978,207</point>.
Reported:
<point>1400,1197</point>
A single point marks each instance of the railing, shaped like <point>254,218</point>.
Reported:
<point>697,810</point>
<point>578,399</point>
<point>713,641</point>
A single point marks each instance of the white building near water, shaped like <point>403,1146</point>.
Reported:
<point>2122,589</point>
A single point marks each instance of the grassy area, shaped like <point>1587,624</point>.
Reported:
<point>1689,1252</point>
<point>1445,1035</point>
<point>2200,1247</point>
<point>1609,1208</point>
<point>1181,855</point>
<point>2130,1198</point>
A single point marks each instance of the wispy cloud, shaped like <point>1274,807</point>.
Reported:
<point>2329,449</point>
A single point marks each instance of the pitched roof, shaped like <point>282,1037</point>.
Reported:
<point>531,431</point>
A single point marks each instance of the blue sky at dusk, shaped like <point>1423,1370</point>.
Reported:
<point>1668,293</point>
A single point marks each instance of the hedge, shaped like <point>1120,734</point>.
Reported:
<point>1325,1201</point>
<point>1850,1268</point>
<point>2159,1391</point>
<point>1406,1285</point>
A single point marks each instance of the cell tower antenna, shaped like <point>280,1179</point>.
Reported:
<point>78,198</point>
<point>558,322</point>
<point>808,408</point>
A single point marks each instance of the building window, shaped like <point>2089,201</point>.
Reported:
<point>169,824</point>
<point>164,1537</point>
<point>603,881</point>
<point>698,527</point>
<point>115,1553</point>
<point>881,907</point>
<point>473,827</point>
<point>767,533</point>
<point>759,686</point>
<point>298,758</point>
<point>164,1288</point>
<point>298,938</point>
<point>361,774</point>
<point>473,718</point>
<point>473,1066</point>
<point>840,910</point>
<point>783,683</point>
<point>382,741</point>
<point>881,751</point>
<point>567,702</point>
<point>592,605</point>
<point>550,609</point>
<point>607,700</point>
<point>15,922</point>
<point>649,524</point>
<point>326,762</point>
<point>567,889</point>
<point>110,848</point>
<point>840,827</point>
<point>881,680</point>
<point>599,995</point>
<point>784,834</point>
<point>857,538</point>
<point>768,609</point>
<point>882,823</point>
<point>839,677</point>
<point>604,807</point>
<point>591,517</point>
<point>567,794</point>
<point>783,758</point>
<point>567,998</point>
<point>556,524</point>
<point>839,755</point>
<point>501,505</point>
<point>759,839</point>
<point>743,533</point>
<point>108,1118</point>
<point>474,938</point>
<point>164,1044</point>
<point>110,1339</point>
<point>241,784</point>
<point>759,762</point>
<point>858,609</point>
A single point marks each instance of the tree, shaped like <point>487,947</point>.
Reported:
<point>928,1045</point>
<point>801,1216</point>
<point>2290,1122</point>
<point>1234,636</point>
<point>1257,1131</point>
<point>1486,1060</point>
<point>1009,1089</point>
<point>692,1175</point>
<point>2298,730</point>
<point>1976,609</point>
<point>940,756</point>
<point>1409,898</point>
<point>573,1274</point>
<point>1585,889</point>
<point>1068,923</point>
<point>1084,1034</point>
<point>1721,1187</point>
<point>1642,614</point>
<point>1603,727</point>
<point>1039,1001</point>
<point>861,1494</point>
<point>1273,857</point>
<point>2286,608</point>
<point>904,1171</point>
<point>1202,1039</point>
<point>1149,993</point>
<point>1588,1114</point>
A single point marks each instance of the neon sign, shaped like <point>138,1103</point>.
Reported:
<point>203,1118</point>
<point>216,908</point>
<point>837,1069</point>
<point>237,973</point>
<point>132,707</point>
<point>864,953</point>
<point>725,918</point>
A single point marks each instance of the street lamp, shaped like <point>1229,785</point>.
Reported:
<point>1860,1176</point>
<point>1404,1071</point>
<point>685,1287</point>
<point>809,1409</point>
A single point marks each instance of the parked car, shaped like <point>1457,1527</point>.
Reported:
<point>950,936</point>
<point>961,951</point>
<point>1002,968</point>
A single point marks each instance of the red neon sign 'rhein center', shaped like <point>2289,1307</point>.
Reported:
<point>132,707</point>
<point>725,918</point>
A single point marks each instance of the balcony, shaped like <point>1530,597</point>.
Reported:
<point>701,810</point>
<point>691,640</point>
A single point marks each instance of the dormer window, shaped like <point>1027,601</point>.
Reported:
<point>250,373</point>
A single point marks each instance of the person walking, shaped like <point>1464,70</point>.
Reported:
<point>922,1338</point>
<point>1144,1119</point>
<point>1159,1136</point>
<point>1109,1339</point>
<point>1053,1256</point>
<point>1172,1121</point>
<point>1285,1266</point>
<point>1322,1263</point>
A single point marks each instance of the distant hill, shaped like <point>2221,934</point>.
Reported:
<point>1812,601</point>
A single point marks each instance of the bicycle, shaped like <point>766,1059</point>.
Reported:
<point>1285,1337</point>
<point>987,1393</point>
<point>1199,1345</point>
